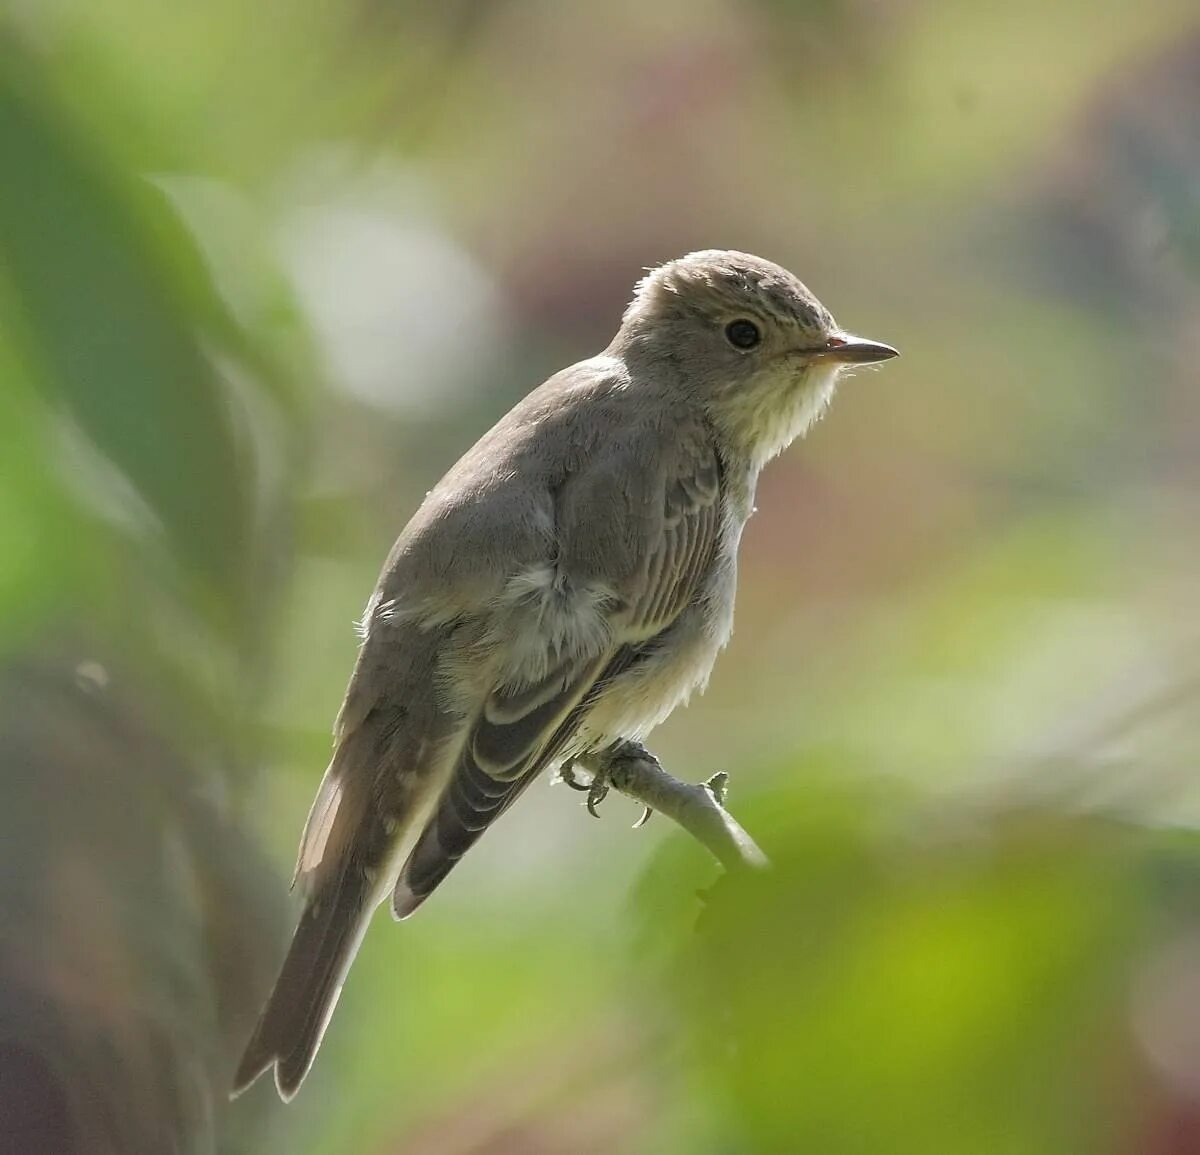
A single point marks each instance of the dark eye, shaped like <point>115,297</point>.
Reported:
<point>742,334</point>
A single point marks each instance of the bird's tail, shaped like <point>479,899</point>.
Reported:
<point>306,992</point>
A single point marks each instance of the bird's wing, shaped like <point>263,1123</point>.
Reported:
<point>490,518</point>
<point>640,524</point>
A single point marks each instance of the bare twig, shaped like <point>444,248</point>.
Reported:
<point>632,770</point>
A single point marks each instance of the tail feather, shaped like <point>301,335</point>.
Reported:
<point>306,992</point>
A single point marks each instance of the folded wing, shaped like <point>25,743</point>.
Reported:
<point>524,727</point>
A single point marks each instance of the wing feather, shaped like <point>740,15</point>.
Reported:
<point>521,729</point>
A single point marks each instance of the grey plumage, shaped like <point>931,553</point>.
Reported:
<point>565,586</point>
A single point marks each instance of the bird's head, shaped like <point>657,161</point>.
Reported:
<point>748,340</point>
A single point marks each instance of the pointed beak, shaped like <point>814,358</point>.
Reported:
<point>846,349</point>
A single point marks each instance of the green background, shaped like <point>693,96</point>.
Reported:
<point>266,270</point>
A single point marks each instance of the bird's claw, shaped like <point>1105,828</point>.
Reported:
<point>597,793</point>
<point>567,776</point>
<point>597,789</point>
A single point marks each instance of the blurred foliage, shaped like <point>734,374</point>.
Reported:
<point>265,271</point>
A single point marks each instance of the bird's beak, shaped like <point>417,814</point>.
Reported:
<point>846,349</point>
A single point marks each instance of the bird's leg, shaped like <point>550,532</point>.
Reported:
<point>603,764</point>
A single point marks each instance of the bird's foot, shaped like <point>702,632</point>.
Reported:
<point>595,785</point>
<point>596,781</point>
<point>597,792</point>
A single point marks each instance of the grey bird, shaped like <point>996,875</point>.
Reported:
<point>561,590</point>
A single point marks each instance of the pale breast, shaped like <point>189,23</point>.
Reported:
<point>679,661</point>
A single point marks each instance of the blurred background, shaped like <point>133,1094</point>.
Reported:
<point>266,270</point>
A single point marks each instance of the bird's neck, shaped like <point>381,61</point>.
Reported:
<point>759,427</point>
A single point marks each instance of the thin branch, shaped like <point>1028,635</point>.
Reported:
<point>700,809</point>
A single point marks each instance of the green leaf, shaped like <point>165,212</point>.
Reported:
<point>105,287</point>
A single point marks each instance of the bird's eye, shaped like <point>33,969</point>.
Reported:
<point>742,334</point>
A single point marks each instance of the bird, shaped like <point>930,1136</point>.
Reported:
<point>565,586</point>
